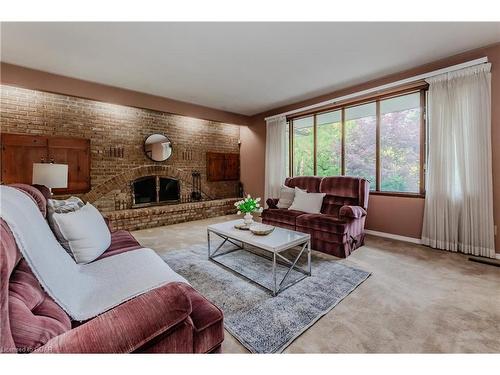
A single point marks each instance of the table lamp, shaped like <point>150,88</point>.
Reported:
<point>51,175</point>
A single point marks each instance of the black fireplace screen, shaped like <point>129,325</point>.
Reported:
<point>154,190</point>
<point>169,190</point>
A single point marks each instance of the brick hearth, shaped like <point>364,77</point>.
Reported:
<point>149,217</point>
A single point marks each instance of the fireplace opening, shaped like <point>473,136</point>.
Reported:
<point>169,190</point>
<point>153,190</point>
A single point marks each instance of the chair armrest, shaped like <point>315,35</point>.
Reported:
<point>272,202</point>
<point>128,326</point>
<point>353,212</point>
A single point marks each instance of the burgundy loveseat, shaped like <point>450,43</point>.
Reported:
<point>173,318</point>
<point>339,228</point>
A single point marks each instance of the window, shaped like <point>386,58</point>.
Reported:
<point>380,140</point>
<point>303,146</point>
<point>360,141</point>
<point>400,143</point>
<point>329,144</point>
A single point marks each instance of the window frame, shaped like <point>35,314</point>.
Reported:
<point>420,88</point>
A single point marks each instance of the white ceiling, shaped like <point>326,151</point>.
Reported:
<point>245,68</point>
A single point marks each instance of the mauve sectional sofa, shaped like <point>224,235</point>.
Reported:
<point>174,318</point>
<point>339,228</point>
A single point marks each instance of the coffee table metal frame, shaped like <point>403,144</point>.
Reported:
<point>277,258</point>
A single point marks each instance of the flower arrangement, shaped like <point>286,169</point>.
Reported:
<point>247,206</point>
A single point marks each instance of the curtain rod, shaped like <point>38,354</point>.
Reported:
<point>419,77</point>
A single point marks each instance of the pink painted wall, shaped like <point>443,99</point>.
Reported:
<point>396,215</point>
<point>19,76</point>
<point>252,158</point>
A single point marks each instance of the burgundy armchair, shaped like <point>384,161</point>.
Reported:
<point>339,228</point>
<point>173,318</point>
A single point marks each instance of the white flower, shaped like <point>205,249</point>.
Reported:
<point>239,213</point>
<point>257,205</point>
<point>261,209</point>
<point>236,204</point>
<point>248,196</point>
<point>257,200</point>
<point>246,199</point>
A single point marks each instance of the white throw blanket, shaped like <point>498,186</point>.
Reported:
<point>87,290</point>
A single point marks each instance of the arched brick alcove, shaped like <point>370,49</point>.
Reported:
<point>123,180</point>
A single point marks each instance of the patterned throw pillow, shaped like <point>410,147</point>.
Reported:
<point>287,195</point>
<point>62,206</point>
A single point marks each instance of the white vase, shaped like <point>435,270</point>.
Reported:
<point>248,218</point>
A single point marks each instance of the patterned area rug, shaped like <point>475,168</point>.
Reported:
<point>262,323</point>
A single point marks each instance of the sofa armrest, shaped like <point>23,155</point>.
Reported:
<point>128,326</point>
<point>272,202</point>
<point>353,212</point>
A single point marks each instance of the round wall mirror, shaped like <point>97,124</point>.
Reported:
<point>158,147</point>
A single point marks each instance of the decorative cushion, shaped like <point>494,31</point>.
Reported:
<point>287,195</point>
<point>307,202</point>
<point>84,231</point>
<point>62,206</point>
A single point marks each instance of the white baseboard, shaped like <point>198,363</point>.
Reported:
<point>497,255</point>
<point>395,237</point>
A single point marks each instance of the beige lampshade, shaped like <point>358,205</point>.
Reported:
<point>50,175</point>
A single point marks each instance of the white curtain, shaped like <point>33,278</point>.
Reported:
<point>276,154</point>
<point>459,200</point>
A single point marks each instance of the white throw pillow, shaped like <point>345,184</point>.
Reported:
<point>287,195</point>
<point>85,232</point>
<point>62,206</point>
<point>307,202</point>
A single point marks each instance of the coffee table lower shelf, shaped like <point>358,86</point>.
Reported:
<point>276,258</point>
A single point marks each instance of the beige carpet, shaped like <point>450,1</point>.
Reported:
<point>418,300</point>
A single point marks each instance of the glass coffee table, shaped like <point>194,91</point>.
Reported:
<point>272,247</point>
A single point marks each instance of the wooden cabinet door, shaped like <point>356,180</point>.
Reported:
<point>76,153</point>
<point>232,167</point>
<point>19,152</point>
<point>223,166</point>
<point>215,166</point>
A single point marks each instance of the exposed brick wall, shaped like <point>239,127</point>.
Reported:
<point>35,112</point>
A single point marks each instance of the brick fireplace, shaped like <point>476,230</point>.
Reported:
<point>114,127</point>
